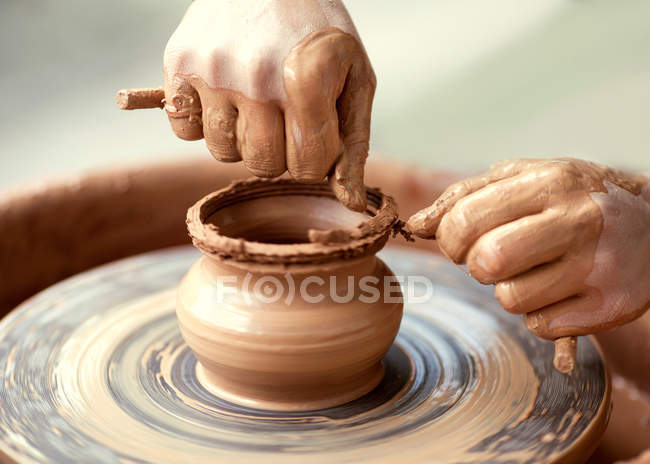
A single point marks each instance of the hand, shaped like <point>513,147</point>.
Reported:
<point>566,242</point>
<point>281,84</point>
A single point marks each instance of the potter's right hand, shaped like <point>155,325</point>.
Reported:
<point>566,242</point>
<point>281,84</point>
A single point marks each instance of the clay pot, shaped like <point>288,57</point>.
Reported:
<point>275,310</point>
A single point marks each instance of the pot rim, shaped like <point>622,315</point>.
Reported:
<point>366,239</point>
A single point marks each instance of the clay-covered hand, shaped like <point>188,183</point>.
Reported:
<point>566,242</point>
<point>281,84</point>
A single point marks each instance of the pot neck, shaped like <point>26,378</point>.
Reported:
<point>354,266</point>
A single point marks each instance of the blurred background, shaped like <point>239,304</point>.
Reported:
<point>462,83</point>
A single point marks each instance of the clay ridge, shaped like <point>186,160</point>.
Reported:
<point>326,245</point>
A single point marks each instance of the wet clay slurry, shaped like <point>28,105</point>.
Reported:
<point>299,351</point>
<point>109,377</point>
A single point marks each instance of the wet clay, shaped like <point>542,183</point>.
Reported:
<point>565,354</point>
<point>301,350</point>
<point>135,99</point>
<point>304,237</point>
<point>281,85</point>
<point>550,234</point>
<point>96,368</point>
<point>40,248</point>
<point>39,244</point>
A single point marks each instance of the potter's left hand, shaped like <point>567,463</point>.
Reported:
<point>283,85</point>
<point>566,242</point>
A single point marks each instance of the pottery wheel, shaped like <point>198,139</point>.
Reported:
<point>94,369</point>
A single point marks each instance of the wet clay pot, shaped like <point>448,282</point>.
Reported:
<point>289,308</point>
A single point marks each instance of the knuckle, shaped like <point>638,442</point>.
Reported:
<point>504,163</point>
<point>307,176</point>
<point>461,221</point>
<point>219,131</point>
<point>177,85</point>
<point>458,216</point>
<point>588,219</point>
<point>310,168</point>
<point>503,168</point>
<point>462,188</point>
<point>221,120</point>
<point>223,145</point>
<point>176,56</point>
<point>183,107</point>
<point>566,177</point>
<point>305,65</point>
<point>299,71</point>
<point>557,172</point>
<point>561,174</point>
<point>263,162</point>
<point>264,173</point>
<point>223,153</point>
<point>592,212</point>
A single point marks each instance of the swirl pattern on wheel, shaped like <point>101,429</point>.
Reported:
<point>95,370</point>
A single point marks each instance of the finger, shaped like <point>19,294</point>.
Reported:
<point>219,125</point>
<point>260,136</point>
<point>313,81</point>
<point>518,246</point>
<point>496,204</point>
<point>354,110</point>
<point>577,315</point>
<point>311,146</point>
<point>425,223</point>
<point>347,180</point>
<point>183,107</point>
<point>539,287</point>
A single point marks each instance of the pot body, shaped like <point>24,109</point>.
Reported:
<point>294,337</point>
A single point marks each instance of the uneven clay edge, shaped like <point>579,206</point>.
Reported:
<point>326,246</point>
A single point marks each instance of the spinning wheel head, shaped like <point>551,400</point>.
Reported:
<point>95,370</point>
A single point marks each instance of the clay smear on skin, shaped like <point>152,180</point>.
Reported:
<point>597,276</point>
<point>579,202</point>
<point>296,113</point>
